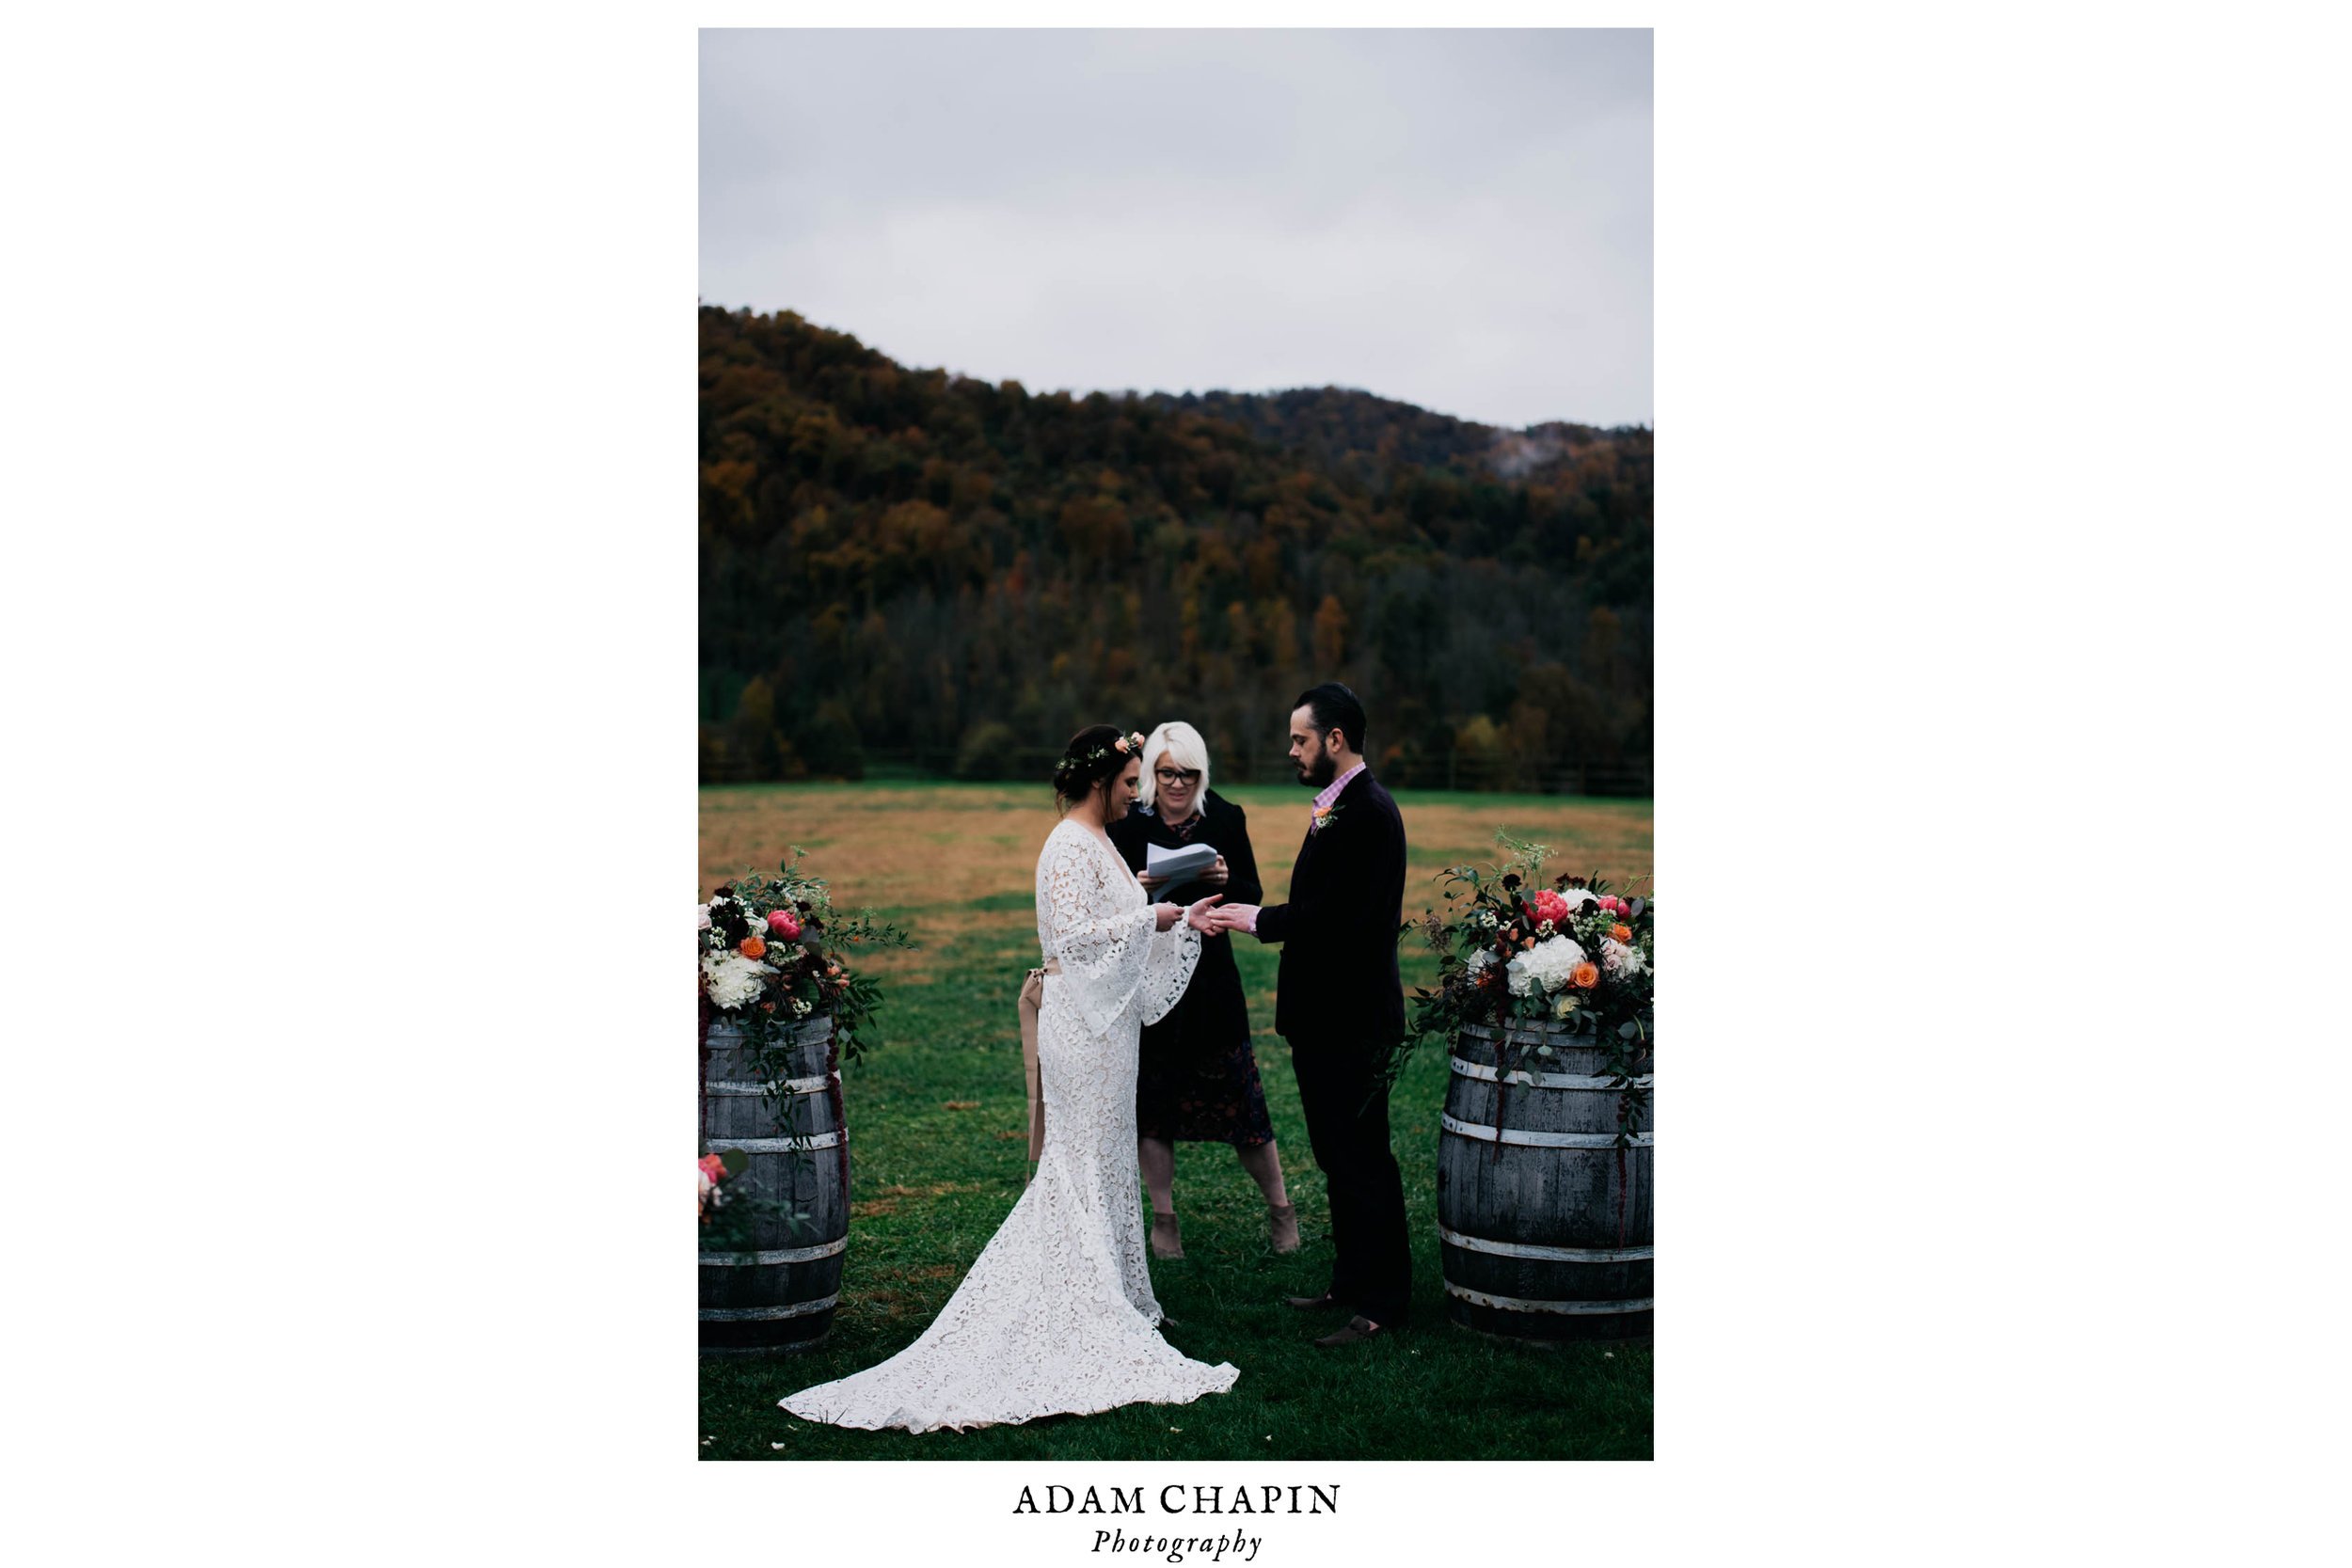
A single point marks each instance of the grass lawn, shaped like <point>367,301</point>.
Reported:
<point>937,1143</point>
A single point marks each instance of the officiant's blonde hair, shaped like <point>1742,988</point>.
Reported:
<point>1180,744</point>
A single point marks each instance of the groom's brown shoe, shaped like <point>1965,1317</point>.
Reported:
<point>1359,1328</point>
<point>1312,1303</point>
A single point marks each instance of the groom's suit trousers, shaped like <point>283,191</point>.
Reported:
<point>1373,1266</point>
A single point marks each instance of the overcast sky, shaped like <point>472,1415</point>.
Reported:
<point>1459,219</point>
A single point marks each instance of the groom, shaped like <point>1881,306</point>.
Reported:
<point>1340,1005</point>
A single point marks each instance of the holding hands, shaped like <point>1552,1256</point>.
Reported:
<point>1232,917</point>
<point>1198,916</point>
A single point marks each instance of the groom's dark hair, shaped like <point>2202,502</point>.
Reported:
<point>1335,707</point>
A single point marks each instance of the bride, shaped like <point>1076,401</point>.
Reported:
<point>1057,1315</point>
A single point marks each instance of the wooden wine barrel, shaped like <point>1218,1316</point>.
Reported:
<point>1544,1222</point>
<point>779,1294</point>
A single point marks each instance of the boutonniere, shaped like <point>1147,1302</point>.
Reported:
<point>1324,816</point>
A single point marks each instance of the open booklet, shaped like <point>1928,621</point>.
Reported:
<point>1178,865</point>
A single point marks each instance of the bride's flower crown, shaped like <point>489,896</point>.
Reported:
<point>1127,746</point>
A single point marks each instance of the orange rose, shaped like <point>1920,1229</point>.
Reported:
<point>1623,933</point>
<point>1586,975</point>
<point>752,947</point>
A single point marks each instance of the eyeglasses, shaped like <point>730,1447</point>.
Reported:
<point>1166,777</point>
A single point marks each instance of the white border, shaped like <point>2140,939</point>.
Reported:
<point>351,591</point>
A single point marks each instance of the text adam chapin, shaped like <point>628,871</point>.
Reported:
<point>1180,1499</point>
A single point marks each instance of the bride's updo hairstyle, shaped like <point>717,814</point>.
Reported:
<point>1095,756</point>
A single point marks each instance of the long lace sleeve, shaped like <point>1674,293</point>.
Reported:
<point>1175,953</point>
<point>1103,935</point>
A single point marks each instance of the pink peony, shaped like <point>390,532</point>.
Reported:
<point>1611,904</point>
<point>713,1167</point>
<point>1550,906</point>
<point>785,924</point>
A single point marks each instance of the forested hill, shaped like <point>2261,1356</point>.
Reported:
<point>914,568</point>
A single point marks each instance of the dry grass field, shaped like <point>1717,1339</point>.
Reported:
<point>958,858</point>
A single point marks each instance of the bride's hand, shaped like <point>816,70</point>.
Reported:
<point>1198,918</point>
<point>1168,914</point>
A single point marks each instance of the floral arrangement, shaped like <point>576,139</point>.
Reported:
<point>709,1171</point>
<point>1129,745</point>
<point>773,952</point>
<point>729,1211</point>
<point>1572,955</point>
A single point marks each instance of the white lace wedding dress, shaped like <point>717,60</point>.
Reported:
<point>1058,1314</point>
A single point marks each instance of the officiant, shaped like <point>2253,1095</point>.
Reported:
<point>1198,1079</point>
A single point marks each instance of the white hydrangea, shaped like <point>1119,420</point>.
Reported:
<point>732,979</point>
<point>1545,967</point>
<point>1481,959</point>
<point>1619,959</point>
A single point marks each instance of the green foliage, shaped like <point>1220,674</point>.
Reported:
<point>892,559</point>
<point>830,743</point>
<point>731,1223</point>
<point>988,752</point>
<point>1527,857</point>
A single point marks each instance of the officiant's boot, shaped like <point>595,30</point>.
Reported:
<point>1166,1242</point>
<point>1283,1220</point>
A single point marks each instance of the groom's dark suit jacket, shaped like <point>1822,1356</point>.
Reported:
<point>1339,979</point>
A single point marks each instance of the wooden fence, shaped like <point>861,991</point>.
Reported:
<point>1458,770</point>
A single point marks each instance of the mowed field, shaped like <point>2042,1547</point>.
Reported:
<point>937,1123</point>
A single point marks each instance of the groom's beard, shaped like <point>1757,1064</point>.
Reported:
<point>1319,772</point>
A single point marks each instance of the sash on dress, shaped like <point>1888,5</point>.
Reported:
<point>1033,999</point>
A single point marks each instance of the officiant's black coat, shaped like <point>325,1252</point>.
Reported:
<point>1212,1004</point>
<point>1197,1077</point>
<point>1339,979</point>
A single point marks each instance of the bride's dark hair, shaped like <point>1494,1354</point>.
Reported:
<point>1092,757</point>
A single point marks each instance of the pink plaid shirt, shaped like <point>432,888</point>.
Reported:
<point>1330,792</point>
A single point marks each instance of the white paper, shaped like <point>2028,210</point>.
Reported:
<point>1178,865</point>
